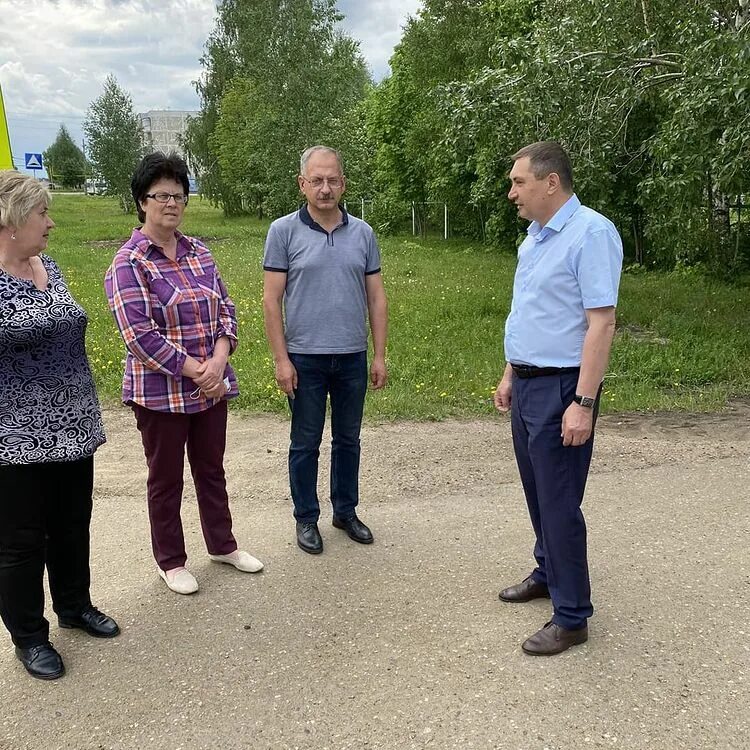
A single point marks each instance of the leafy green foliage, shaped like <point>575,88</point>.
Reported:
<point>66,164</point>
<point>446,42</point>
<point>651,100</point>
<point>115,140</point>
<point>279,77</point>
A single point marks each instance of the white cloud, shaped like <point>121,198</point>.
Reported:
<point>55,55</point>
<point>377,24</point>
<point>25,89</point>
<point>70,47</point>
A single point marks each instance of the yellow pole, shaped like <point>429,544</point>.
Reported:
<point>6,158</point>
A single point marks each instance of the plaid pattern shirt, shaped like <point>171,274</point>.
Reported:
<point>166,311</point>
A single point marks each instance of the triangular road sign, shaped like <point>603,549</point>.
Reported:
<point>33,161</point>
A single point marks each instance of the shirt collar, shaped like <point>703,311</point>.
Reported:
<point>304,215</point>
<point>184,244</point>
<point>558,220</point>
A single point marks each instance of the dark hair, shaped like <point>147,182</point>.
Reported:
<point>153,168</point>
<point>546,157</point>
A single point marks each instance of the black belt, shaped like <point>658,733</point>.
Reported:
<point>529,371</point>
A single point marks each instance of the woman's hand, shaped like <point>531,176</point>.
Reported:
<point>210,373</point>
<point>218,391</point>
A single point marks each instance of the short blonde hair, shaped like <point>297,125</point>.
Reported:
<point>19,196</point>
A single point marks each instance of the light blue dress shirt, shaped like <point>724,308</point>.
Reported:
<point>566,267</point>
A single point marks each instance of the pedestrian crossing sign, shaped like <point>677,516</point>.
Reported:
<point>33,161</point>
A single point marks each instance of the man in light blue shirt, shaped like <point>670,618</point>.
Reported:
<point>557,342</point>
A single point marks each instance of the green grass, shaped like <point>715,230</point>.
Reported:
<point>683,342</point>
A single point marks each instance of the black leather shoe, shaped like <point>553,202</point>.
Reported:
<point>355,529</point>
<point>525,591</point>
<point>554,639</point>
<point>308,538</point>
<point>42,662</point>
<point>93,621</point>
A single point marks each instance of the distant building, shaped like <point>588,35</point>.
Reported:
<point>162,129</point>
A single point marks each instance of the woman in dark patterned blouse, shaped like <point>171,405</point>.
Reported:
<point>50,426</point>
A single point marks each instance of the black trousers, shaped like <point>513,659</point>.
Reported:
<point>45,512</point>
<point>554,480</point>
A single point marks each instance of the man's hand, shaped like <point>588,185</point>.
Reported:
<point>577,424</point>
<point>502,394</point>
<point>286,376</point>
<point>378,373</point>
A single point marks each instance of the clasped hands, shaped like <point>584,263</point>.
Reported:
<point>209,376</point>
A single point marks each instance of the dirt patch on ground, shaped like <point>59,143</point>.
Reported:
<point>730,425</point>
<point>423,458</point>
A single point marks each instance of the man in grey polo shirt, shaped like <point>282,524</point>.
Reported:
<point>321,283</point>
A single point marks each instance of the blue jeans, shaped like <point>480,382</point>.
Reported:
<point>344,378</point>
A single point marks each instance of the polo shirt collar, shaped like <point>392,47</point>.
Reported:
<point>304,215</point>
<point>558,220</point>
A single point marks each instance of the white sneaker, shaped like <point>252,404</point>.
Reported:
<point>241,560</point>
<point>181,582</point>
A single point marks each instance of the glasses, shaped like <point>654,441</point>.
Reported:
<point>318,182</point>
<point>164,197</point>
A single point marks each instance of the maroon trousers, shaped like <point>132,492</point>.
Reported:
<point>164,436</point>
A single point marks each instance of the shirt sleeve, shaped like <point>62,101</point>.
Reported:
<point>599,267</point>
<point>373,255</point>
<point>276,253</point>
<point>130,302</point>
<point>227,316</point>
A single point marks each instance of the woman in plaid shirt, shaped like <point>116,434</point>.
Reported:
<point>179,327</point>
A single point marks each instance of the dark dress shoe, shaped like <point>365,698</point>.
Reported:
<point>554,639</point>
<point>42,662</point>
<point>355,529</point>
<point>308,538</point>
<point>525,591</point>
<point>93,621</point>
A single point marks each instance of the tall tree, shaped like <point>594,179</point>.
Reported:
<point>279,76</point>
<point>448,41</point>
<point>65,162</point>
<point>115,140</point>
<point>653,107</point>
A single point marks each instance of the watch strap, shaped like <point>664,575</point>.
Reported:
<point>586,401</point>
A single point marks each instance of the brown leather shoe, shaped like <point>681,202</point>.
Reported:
<point>553,639</point>
<point>525,591</point>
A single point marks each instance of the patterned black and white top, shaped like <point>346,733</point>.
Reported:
<point>48,405</point>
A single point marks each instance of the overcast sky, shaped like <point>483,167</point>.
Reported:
<point>55,55</point>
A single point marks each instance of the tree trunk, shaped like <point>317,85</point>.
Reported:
<point>637,227</point>
<point>738,231</point>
